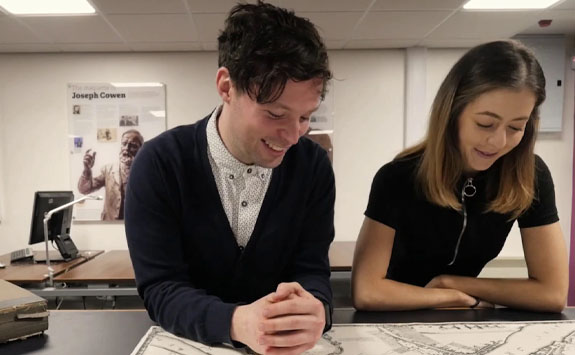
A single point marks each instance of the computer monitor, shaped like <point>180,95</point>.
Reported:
<point>58,225</point>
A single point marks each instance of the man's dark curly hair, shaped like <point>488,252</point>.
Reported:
<point>264,46</point>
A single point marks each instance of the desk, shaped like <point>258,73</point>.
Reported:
<point>118,332</point>
<point>113,267</point>
<point>350,315</point>
<point>110,274</point>
<point>116,267</point>
<point>29,272</point>
<point>85,332</point>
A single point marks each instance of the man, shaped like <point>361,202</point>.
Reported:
<point>229,220</point>
<point>113,178</point>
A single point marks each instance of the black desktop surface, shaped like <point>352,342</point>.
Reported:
<point>350,315</point>
<point>85,333</point>
<point>118,332</point>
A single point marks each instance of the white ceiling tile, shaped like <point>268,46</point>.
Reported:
<point>398,24</point>
<point>76,29</point>
<point>166,46</point>
<point>563,22</point>
<point>154,28</point>
<point>140,6</point>
<point>333,25</point>
<point>28,48</point>
<point>455,42</point>
<point>380,43</point>
<point>484,24</point>
<point>330,25</point>
<point>565,5</point>
<point>419,5</point>
<point>209,26</point>
<point>211,6</point>
<point>93,47</point>
<point>220,6</point>
<point>164,25</point>
<point>11,31</point>
<point>325,5</point>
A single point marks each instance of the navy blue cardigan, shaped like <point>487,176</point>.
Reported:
<point>189,269</point>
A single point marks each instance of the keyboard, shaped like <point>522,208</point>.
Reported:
<point>21,254</point>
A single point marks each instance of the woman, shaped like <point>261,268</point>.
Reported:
<point>442,209</point>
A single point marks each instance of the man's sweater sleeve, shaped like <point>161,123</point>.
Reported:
<point>153,229</point>
<point>311,265</point>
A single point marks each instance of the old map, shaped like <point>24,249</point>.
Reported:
<point>504,338</point>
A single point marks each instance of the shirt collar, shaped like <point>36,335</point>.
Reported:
<point>223,159</point>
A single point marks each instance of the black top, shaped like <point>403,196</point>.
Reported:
<point>189,268</point>
<point>426,234</point>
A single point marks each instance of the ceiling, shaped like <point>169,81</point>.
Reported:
<point>193,25</point>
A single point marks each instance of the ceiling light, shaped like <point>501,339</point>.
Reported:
<point>317,131</point>
<point>158,113</point>
<point>508,4</point>
<point>47,7</point>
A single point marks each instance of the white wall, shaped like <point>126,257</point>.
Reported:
<point>33,94</point>
<point>368,129</point>
<point>369,111</point>
<point>2,171</point>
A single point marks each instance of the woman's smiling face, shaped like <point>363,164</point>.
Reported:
<point>492,125</point>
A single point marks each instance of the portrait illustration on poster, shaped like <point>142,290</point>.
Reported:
<point>109,123</point>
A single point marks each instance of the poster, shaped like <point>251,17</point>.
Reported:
<point>108,124</point>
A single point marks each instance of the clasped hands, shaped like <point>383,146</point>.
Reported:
<point>287,321</point>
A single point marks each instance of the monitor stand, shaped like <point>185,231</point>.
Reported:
<point>66,250</point>
<point>66,246</point>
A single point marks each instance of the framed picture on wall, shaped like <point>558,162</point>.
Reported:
<point>108,124</point>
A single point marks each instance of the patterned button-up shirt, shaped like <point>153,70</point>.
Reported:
<point>242,187</point>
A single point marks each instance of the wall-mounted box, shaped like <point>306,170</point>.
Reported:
<point>550,52</point>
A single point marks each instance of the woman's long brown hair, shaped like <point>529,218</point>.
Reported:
<point>490,66</point>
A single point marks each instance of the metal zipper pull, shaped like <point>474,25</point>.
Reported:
<point>468,190</point>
